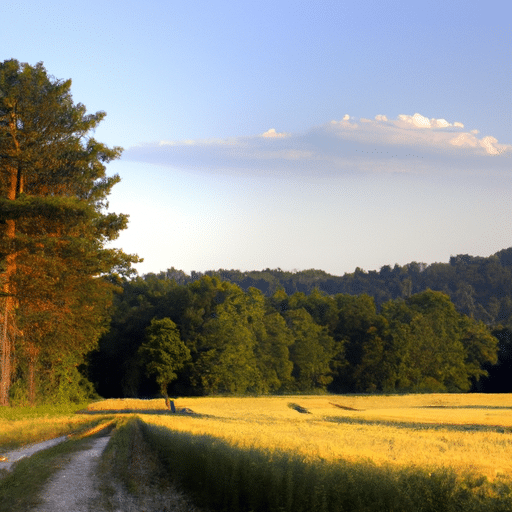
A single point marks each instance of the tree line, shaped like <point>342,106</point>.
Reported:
<point>57,275</point>
<point>239,341</point>
<point>480,287</point>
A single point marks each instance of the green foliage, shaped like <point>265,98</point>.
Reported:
<point>163,353</point>
<point>438,349</point>
<point>311,352</point>
<point>273,353</point>
<point>480,288</point>
<point>242,342</point>
<point>55,228</point>
<point>225,340</point>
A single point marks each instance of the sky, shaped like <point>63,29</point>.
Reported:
<point>291,134</point>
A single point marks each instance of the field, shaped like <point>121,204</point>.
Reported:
<point>432,452</point>
<point>463,432</point>
<point>459,445</point>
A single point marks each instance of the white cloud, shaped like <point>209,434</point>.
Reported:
<point>412,144</point>
<point>465,139</point>
<point>273,134</point>
<point>416,120</point>
<point>420,121</point>
<point>441,123</point>
<point>489,143</point>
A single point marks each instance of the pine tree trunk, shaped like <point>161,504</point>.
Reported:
<point>6,352</point>
<point>8,329</point>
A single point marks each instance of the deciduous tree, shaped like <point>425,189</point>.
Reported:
<point>164,353</point>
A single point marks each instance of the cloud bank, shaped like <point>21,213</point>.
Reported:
<point>408,144</point>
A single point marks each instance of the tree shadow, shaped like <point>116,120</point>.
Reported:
<point>421,425</point>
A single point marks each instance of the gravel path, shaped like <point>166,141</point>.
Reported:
<point>73,489</point>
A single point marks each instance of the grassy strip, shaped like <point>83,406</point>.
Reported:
<point>117,458</point>
<point>132,475</point>
<point>24,425</point>
<point>224,477</point>
<point>20,488</point>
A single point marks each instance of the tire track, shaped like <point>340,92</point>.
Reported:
<point>74,488</point>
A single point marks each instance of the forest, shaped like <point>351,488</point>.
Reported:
<point>76,320</point>
<point>243,341</point>
<point>479,287</point>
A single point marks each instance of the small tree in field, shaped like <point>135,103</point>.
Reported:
<point>164,353</point>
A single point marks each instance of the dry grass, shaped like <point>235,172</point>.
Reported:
<point>464,432</point>
<point>15,433</point>
<point>131,475</point>
<point>127,406</point>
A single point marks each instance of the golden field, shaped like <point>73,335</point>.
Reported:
<point>465,432</point>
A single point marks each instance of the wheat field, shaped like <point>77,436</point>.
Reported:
<point>470,433</point>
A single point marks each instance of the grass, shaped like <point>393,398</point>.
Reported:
<point>129,464</point>
<point>24,412</point>
<point>26,428</point>
<point>399,452</point>
<point>227,477</point>
<point>456,432</point>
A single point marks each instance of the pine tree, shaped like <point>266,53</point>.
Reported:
<point>54,223</point>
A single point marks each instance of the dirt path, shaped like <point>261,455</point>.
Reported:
<point>74,488</point>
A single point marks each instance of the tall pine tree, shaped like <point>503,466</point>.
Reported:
<point>54,225</point>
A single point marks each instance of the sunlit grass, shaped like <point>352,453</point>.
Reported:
<point>25,425</point>
<point>127,405</point>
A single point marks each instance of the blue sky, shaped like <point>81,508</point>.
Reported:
<point>291,134</point>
